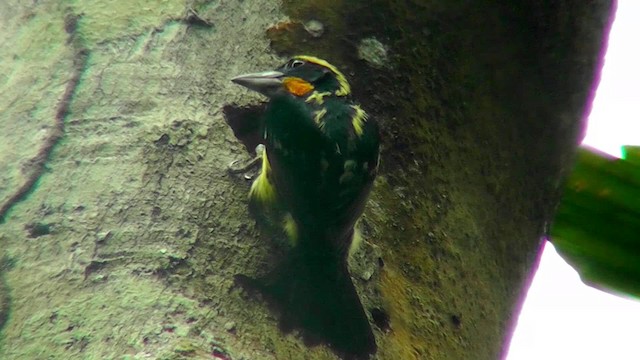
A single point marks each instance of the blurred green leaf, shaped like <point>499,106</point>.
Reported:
<point>597,225</point>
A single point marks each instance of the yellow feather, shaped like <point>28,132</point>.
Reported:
<point>318,97</point>
<point>291,229</point>
<point>359,118</point>
<point>356,240</point>
<point>345,89</point>
<point>261,189</point>
<point>318,118</point>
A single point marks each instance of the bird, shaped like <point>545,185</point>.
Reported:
<point>320,159</point>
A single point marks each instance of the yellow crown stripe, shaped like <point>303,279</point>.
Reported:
<point>345,89</point>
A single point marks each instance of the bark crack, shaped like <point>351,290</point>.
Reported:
<point>36,165</point>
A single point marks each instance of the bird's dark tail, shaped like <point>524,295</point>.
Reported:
<point>312,290</point>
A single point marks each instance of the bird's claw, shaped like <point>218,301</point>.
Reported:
<point>236,167</point>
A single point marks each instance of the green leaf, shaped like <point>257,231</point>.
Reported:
<point>597,225</point>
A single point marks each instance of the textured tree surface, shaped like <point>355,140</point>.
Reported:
<point>122,229</point>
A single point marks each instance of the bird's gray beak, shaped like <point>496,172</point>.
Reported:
<point>267,83</point>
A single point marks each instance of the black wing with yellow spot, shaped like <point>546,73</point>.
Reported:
<point>354,159</point>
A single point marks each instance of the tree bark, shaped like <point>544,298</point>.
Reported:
<point>123,229</point>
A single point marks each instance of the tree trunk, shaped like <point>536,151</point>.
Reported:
<point>123,229</point>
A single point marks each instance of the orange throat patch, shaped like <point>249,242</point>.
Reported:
<point>297,86</point>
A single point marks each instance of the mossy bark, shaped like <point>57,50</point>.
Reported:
<point>123,230</point>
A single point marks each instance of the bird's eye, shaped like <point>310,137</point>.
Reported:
<point>296,63</point>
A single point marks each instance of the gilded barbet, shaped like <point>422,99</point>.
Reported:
<point>319,162</point>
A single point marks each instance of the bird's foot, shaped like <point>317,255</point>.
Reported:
<point>250,168</point>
